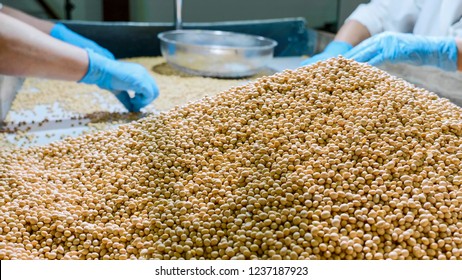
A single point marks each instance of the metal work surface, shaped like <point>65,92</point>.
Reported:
<point>41,125</point>
<point>8,88</point>
<point>445,84</point>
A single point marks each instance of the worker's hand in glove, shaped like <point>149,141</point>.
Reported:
<point>334,49</point>
<point>120,77</point>
<point>407,48</point>
<point>61,32</point>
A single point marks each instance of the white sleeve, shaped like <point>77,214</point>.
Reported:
<point>455,30</point>
<point>387,15</point>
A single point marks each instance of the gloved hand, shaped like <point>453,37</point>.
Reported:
<point>407,48</point>
<point>334,49</point>
<point>120,77</point>
<point>61,32</point>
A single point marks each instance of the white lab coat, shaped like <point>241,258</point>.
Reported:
<point>421,17</point>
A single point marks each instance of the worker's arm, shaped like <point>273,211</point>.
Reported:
<point>349,35</point>
<point>42,25</point>
<point>57,30</point>
<point>367,20</point>
<point>26,51</point>
<point>392,47</point>
<point>352,32</point>
<point>459,53</point>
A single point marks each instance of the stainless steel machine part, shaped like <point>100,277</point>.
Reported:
<point>178,15</point>
<point>214,53</point>
<point>445,84</point>
<point>8,88</point>
<point>279,64</point>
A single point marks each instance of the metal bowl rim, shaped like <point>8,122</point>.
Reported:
<point>161,36</point>
<point>227,74</point>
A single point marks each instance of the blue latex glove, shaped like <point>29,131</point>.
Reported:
<point>120,77</point>
<point>61,32</point>
<point>334,49</point>
<point>407,48</point>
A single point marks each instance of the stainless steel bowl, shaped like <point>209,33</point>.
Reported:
<point>216,53</point>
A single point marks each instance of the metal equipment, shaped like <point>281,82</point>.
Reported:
<point>131,39</point>
<point>216,53</point>
<point>8,87</point>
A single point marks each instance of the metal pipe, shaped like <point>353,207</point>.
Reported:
<point>68,7</point>
<point>178,14</point>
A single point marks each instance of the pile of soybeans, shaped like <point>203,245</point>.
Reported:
<point>337,160</point>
